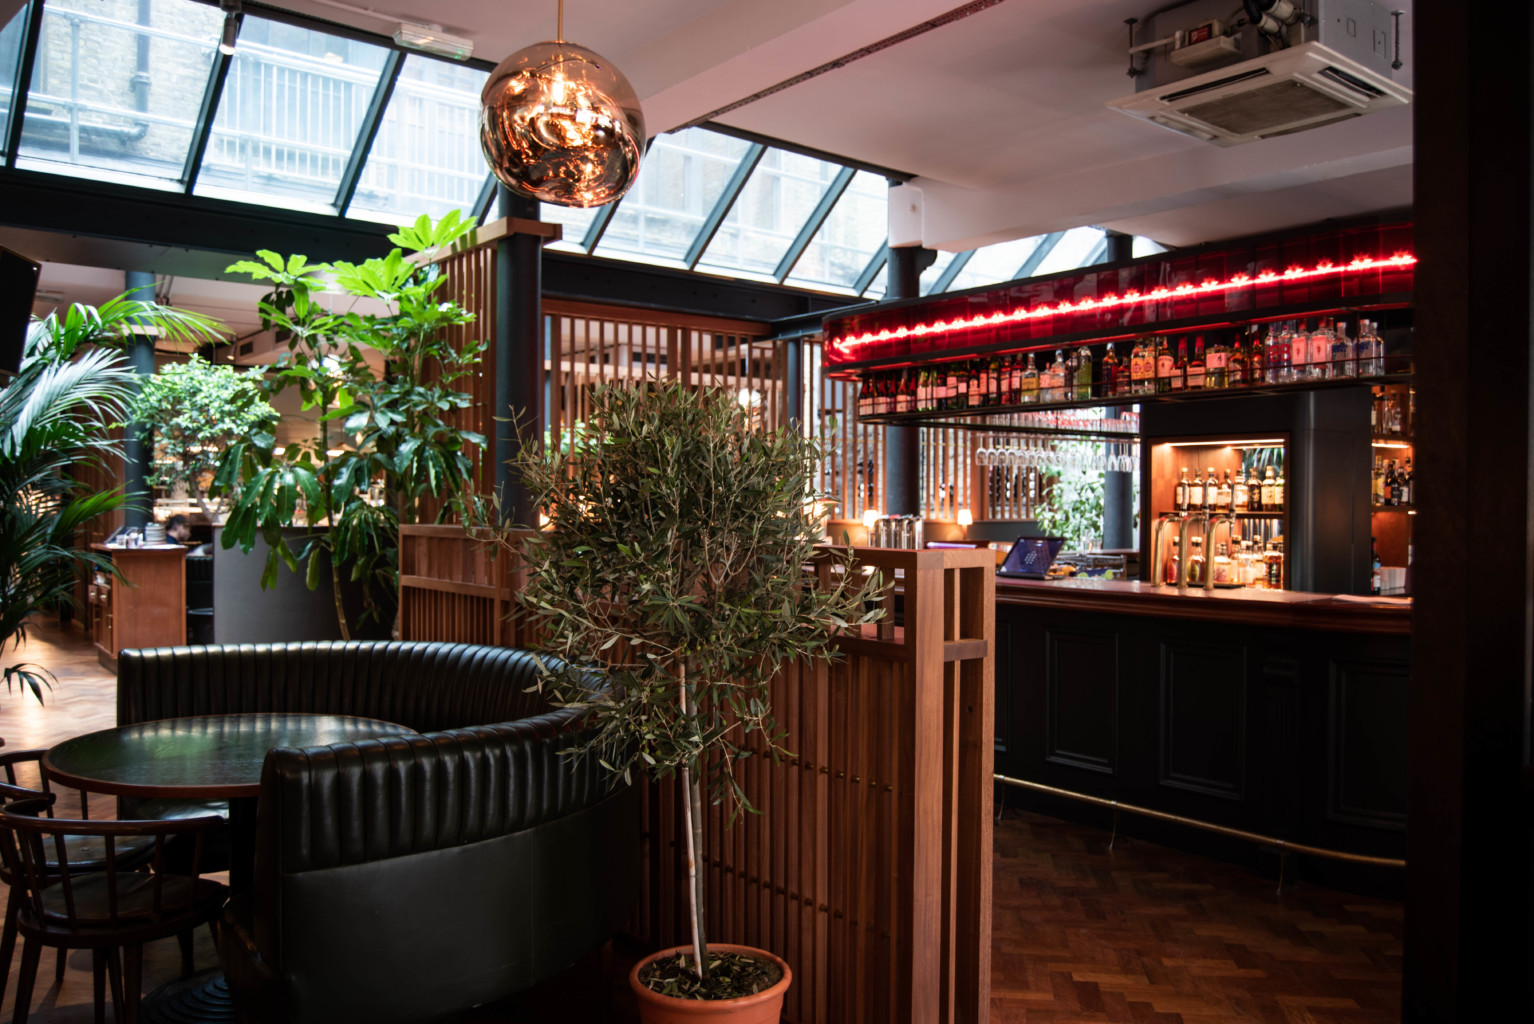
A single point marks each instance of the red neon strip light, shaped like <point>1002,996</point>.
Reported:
<point>1327,269</point>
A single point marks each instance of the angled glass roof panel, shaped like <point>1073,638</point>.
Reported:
<point>681,179</point>
<point>776,202</point>
<point>993,264</point>
<point>878,286</point>
<point>853,232</point>
<point>930,276</point>
<point>1146,247</point>
<point>117,88</point>
<point>426,157</point>
<point>1072,251</point>
<point>576,221</point>
<point>290,114</point>
<point>10,52</point>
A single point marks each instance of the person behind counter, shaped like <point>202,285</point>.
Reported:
<point>179,529</point>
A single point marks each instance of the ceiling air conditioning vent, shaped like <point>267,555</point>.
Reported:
<point>1290,90</point>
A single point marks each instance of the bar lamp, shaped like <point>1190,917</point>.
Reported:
<point>964,519</point>
<point>560,124</point>
<point>231,31</point>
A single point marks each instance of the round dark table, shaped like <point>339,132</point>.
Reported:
<point>211,757</point>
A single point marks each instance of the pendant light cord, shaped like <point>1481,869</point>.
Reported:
<point>559,29</point>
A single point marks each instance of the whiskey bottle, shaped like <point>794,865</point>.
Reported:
<point>1196,491</point>
<point>1180,367</point>
<point>1392,485</point>
<point>1278,492</point>
<point>1216,365</point>
<point>1197,368</point>
<point>1256,360</point>
<point>1235,367</point>
<point>1180,492</point>
<point>1254,491</point>
<point>1028,382</point>
<point>1269,492</point>
<point>1211,490</point>
<point>1222,497</point>
<point>1240,493</point>
<point>1164,367</point>
<point>1110,373</point>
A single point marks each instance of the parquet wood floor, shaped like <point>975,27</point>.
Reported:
<point>1082,935</point>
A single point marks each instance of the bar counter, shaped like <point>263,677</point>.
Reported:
<point>1284,609</point>
<point>1274,712</point>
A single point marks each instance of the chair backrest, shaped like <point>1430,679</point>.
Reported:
<point>426,686</point>
<point>38,851</point>
<point>9,759</point>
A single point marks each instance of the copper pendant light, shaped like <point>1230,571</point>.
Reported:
<point>560,124</point>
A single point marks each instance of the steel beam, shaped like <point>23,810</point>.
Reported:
<point>369,130</point>
<point>716,216</point>
<point>817,218</point>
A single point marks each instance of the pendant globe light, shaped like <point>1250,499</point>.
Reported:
<point>560,124</point>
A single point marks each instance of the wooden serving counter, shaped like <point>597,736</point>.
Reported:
<point>145,606</point>
<point>1283,609</point>
<point>1274,712</point>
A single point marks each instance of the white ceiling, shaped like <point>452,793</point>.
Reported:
<point>1000,115</point>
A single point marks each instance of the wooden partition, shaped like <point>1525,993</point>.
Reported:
<point>869,868</point>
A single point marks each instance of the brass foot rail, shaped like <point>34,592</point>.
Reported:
<point>1283,846</point>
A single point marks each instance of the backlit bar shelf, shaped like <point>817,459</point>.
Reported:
<point>928,417</point>
<point>1340,270</point>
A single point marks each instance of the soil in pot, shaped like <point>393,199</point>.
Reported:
<point>750,985</point>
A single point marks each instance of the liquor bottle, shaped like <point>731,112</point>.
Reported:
<point>1110,373</point>
<point>1197,369</point>
<point>906,402</point>
<point>1196,561</point>
<point>1222,498</point>
<point>1299,353</point>
<point>1269,492</point>
<point>1055,388</point>
<point>997,395</point>
<point>1164,366</point>
<point>923,391</point>
<point>1216,365</point>
<point>1369,350</point>
<point>1240,493</point>
<point>1278,492</point>
<point>1275,562</point>
<point>1235,367</point>
<point>1014,380</point>
<point>1374,573</point>
<point>1342,353</point>
<point>950,386</point>
<point>1179,377</point>
<point>1256,360</point>
<point>978,384</point>
<point>1321,350</point>
<point>1196,491</point>
<point>1068,378</point>
<point>1211,490</point>
<point>1280,337</point>
<point>1083,373</point>
<point>865,398</point>
<point>1139,375</point>
<point>1028,383</point>
<point>1392,485</point>
<point>1180,493</point>
<point>1404,479</point>
<point>1221,569</point>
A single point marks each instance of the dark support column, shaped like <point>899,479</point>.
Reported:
<point>1121,247</point>
<point>1118,488</point>
<point>1469,891</point>
<point>138,442</point>
<point>518,354</point>
<point>793,380</point>
<point>902,445</point>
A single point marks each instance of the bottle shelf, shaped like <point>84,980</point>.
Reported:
<point>1202,394</point>
<point>1392,508</point>
<point>1239,515</point>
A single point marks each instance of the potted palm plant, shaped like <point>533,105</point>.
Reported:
<point>674,556</point>
<point>55,415</point>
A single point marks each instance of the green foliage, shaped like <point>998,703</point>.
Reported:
<point>1073,502</point>
<point>54,416</point>
<point>678,532</point>
<point>375,427</point>
<point>196,410</point>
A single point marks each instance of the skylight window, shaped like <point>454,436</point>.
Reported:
<point>777,201</point>
<point>853,233</point>
<point>10,55</point>
<point>117,88</point>
<point>426,158</point>
<point>292,107</point>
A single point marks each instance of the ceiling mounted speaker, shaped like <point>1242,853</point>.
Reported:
<point>560,124</point>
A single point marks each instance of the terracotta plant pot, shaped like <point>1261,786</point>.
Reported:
<point>765,1007</point>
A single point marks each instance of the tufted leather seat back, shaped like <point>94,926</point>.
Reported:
<point>426,686</point>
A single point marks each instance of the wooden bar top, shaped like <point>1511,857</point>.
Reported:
<point>1286,609</point>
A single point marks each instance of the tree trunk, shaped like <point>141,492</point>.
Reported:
<point>335,587</point>
<point>692,813</point>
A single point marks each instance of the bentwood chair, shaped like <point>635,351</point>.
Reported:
<point>84,854</point>
<point>100,910</point>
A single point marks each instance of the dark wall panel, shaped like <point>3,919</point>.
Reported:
<point>1203,718</point>
<point>1366,752</point>
<point>1082,681</point>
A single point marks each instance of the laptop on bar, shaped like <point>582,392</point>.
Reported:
<point>1030,558</point>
